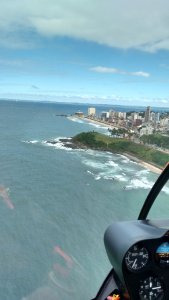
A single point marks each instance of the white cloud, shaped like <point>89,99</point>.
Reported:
<point>165,101</point>
<point>100,69</point>
<point>140,73</point>
<point>124,24</point>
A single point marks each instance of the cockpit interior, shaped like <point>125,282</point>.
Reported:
<point>139,255</point>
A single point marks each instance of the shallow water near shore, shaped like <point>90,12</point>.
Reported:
<point>56,203</point>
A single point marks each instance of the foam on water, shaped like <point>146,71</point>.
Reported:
<point>97,177</point>
<point>59,144</point>
<point>75,120</point>
<point>97,125</point>
<point>108,177</point>
<point>136,183</point>
<point>125,161</point>
<point>89,172</point>
<point>31,142</point>
<point>99,153</point>
<point>111,163</point>
<point>114,170</point>
<point>93,164</point>
<point>120,178</point>
<point>110,169</point>
<point>142,172</point>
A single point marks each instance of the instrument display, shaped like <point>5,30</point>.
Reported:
<point>162,254</point>
<point>151,289</point>
<point>136,258</point>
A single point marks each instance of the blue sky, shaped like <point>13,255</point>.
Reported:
<point>109,51</point>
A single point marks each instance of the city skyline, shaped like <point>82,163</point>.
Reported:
<point>88,52</point>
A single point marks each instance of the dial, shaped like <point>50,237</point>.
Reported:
<point>136,258</point>
<point>151,289</point>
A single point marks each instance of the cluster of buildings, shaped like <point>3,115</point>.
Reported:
<point>143,122</point>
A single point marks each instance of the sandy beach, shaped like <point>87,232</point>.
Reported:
<point>146,165</point>
<point>99,123</point>
<point>151,167</point>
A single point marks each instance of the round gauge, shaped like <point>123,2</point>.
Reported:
<point>136,258</point>
<point>151,289</point>
<point>162,254</point>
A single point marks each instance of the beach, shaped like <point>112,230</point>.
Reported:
<point>146,165</point>
<point>102,123</point>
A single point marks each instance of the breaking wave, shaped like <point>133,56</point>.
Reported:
<point>142,172</point>
<point>106,166</point>
<point>58,144</point>
<point>109,170</point>
<point>93,164</point>
<point>136,183</point>
<point>73,119</point>
<point>120,178</point>
<point>112,164</point>
<point>95,153</point>
<point>31,142</point>
<point>97,125</point>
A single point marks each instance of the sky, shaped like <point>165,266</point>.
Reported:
<point>86,51</point>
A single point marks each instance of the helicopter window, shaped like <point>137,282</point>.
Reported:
<point>160,207</point>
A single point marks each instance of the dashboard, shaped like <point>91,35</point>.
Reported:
<point>146,269</point>
<point>138,251</point>
<point>139,254</point>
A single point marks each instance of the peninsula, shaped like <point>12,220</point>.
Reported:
<point>135,151</point>
<point>145,155</point>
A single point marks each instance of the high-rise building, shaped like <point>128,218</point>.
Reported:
<point>134,116</point>
<point>91,111</point>
<point>147,114</point>
<point>157,117</point>
<point>152,116</point>
<point>105,115</point>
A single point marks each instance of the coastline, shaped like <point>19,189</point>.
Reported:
<point>105,124</point>
<point>144,164</point>
<point>68,144</point>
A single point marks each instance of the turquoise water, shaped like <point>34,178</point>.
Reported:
<point>56,203</point>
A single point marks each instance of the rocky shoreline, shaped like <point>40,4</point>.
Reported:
<point>71,144</point>
<point>68,143</point>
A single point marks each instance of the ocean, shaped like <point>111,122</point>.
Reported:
<point>56,203</point>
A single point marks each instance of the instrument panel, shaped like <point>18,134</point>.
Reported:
<point>136,258</point>
<point>146,269</point>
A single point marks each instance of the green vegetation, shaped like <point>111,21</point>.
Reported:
<point>119,131</point>
<point>97,141</point>
<point>156,139</point>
